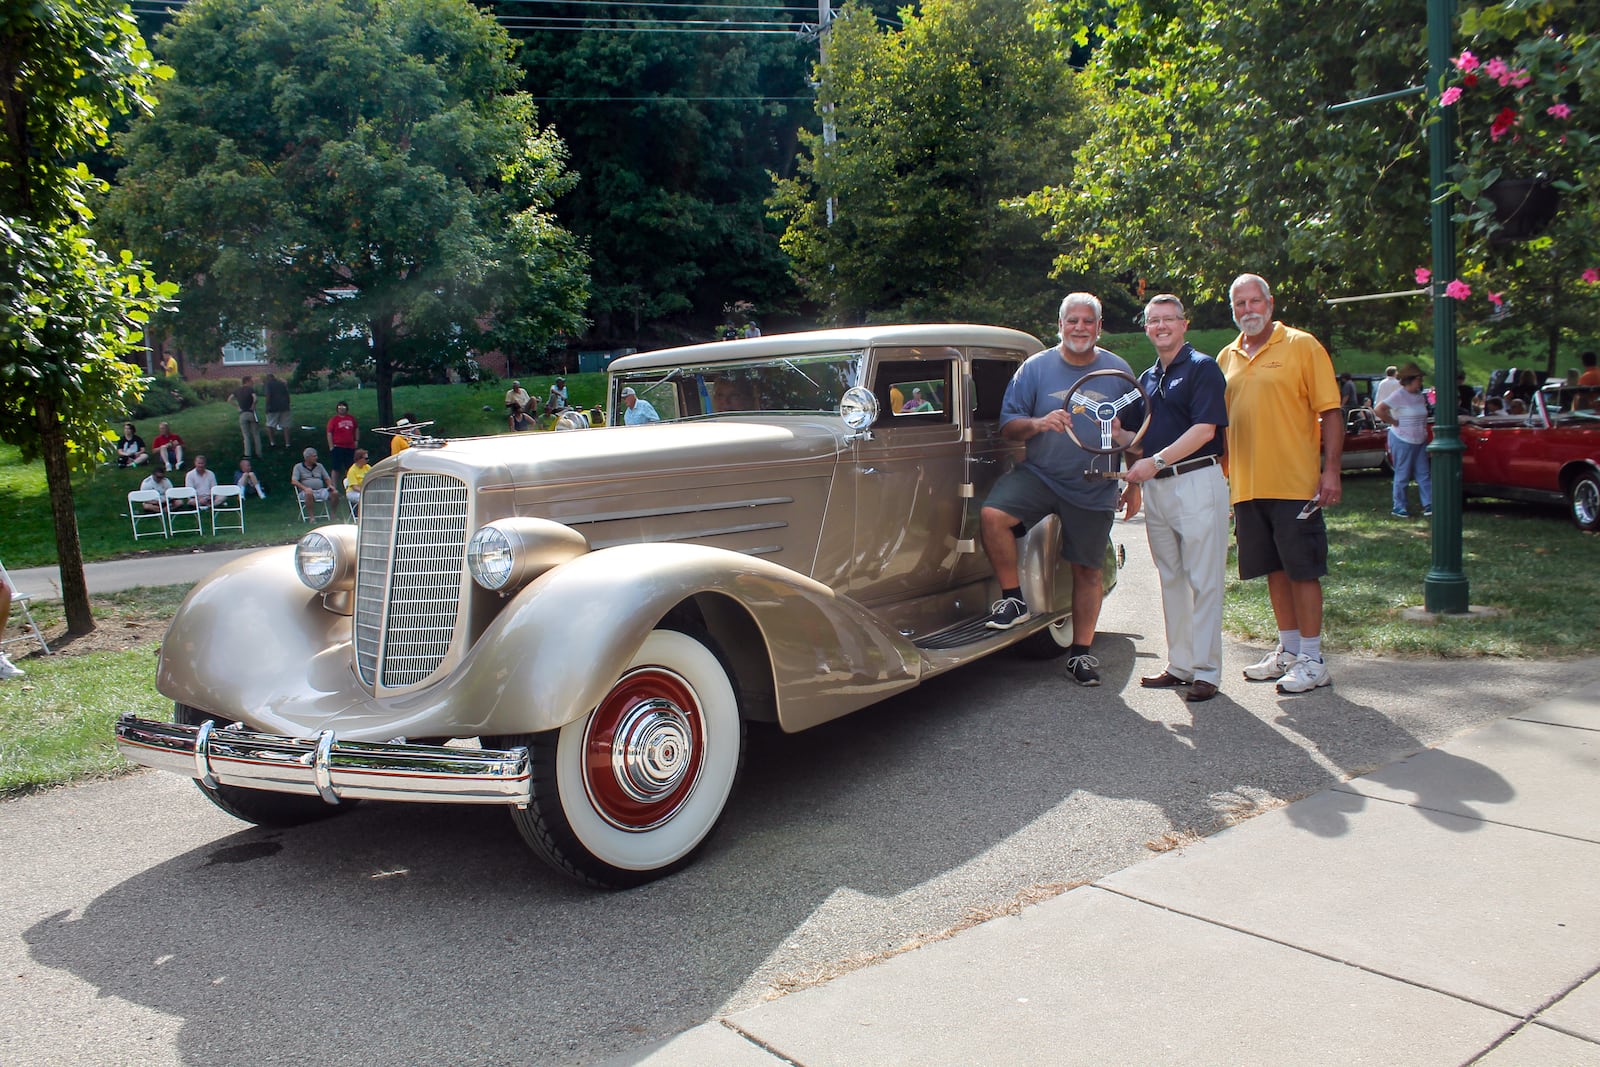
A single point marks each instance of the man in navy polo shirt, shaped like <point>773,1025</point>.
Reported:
<point>1185,499</point>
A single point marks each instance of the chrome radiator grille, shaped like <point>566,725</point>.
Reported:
<point>412,555</point>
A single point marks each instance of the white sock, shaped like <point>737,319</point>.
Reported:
<point>1290,640</point>
<point>1311,647</point>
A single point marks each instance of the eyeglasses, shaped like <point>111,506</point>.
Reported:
<point>1163,321</point>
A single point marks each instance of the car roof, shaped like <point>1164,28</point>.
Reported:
<point>840,340</point>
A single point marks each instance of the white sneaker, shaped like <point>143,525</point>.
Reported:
<point>1274,664</point>
<point>9,669</point>
<point>1305,675</point>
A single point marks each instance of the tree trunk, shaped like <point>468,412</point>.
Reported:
<point>383,371</point>
<point>69,554</point>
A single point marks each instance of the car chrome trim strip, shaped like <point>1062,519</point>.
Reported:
<point>327,767</point>
<point>679,509</point>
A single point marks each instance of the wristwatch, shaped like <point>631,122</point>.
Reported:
<point>1159,460</point>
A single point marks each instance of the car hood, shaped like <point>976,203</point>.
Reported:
<point>759,486</point>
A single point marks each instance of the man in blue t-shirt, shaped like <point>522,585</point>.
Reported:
<point>1185,499</point>
<point>1051,479</point>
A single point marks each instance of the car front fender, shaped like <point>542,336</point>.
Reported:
<point>551,654</point>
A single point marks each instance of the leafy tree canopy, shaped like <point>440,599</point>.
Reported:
<point>675,131</point>
<point>357,176</point>
<point>69,312</point>
<point>1213,152</point>
<point>938,125</point>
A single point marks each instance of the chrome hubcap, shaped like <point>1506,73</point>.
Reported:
<point>1586,502</point>
<point>651,754</point>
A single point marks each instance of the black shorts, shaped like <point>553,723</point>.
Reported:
<point>1084,533</point>
<point>341,458</point>
<point>1272,537</point>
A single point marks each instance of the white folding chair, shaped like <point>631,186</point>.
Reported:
<point>183,507</point>
<point>319,508</point>
<point>137,514</point>
<point>227,500</point>
<point>19,602</point>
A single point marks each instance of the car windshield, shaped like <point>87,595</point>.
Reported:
<point>802,384</point>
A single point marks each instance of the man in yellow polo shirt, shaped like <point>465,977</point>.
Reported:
<point>1285,440</point>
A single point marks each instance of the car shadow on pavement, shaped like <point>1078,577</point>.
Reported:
<point>412,933</point>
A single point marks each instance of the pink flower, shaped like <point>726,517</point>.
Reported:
<point>1458,290</point>
<point>1497,299</point>
<point>1560,111</point>
<point>1424,275</point>
<point>1450,95</point>
<point>1502,123</point>
<point>1498,70</point>
<point>1466,62</point>
<point>1518,78</point>
<point>1592,276</point>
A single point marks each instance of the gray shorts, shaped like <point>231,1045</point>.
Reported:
<point>1084,533</point>
<point>277,420</point>
<point>1273,538</point>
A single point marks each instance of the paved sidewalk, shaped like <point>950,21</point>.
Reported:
<point>44,583</point>
<point>1442,910</point>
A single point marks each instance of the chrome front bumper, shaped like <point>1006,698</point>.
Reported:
<point>327,767</point>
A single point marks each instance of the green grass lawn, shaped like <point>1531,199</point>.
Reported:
<point>27,538</point>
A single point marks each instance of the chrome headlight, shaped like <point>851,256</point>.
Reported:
<point>325,558</point>
<point>507,553</point>
<point>858,408</point>
<point>490,558</point>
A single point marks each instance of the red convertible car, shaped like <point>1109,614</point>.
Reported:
<point>1551,454</point>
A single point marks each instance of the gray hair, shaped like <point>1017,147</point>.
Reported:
<point>1072,300</point>
<point>1246,279</point>
<point>1166,300</point>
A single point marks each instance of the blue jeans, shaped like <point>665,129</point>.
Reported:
<point>1410,465</point>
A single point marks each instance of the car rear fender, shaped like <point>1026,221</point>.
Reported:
<point>552,653</point>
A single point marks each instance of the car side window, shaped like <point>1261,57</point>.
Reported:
<point>989,380</point>
<point>913,391</point>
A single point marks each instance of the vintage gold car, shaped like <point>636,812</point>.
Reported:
<point>578,625</point>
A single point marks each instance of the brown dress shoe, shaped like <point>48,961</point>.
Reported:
<point>1199,691</point>
<point>1164,680</point>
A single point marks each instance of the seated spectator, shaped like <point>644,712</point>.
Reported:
<point>245,478</point>
<point>518,396</point>
<point>354,477</point>
<point>916,403</point>
<point>7,668</point>
<point>556,402</point>
<point>520,420</point>
<point>130,450</point>
<point>168,448</point>
<point>312,480</point>
<point>158,481</point>
<point>202,481</point>
<point>1591,373</point>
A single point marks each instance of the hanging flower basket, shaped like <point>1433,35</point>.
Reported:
<point>1523,206</point>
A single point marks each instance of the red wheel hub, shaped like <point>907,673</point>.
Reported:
<point>643,749</point>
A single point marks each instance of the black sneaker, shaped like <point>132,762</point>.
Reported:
<point>1082,668</point>
<point>1006,613</point>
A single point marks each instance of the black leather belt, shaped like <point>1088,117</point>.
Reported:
<point>1186,465</point>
